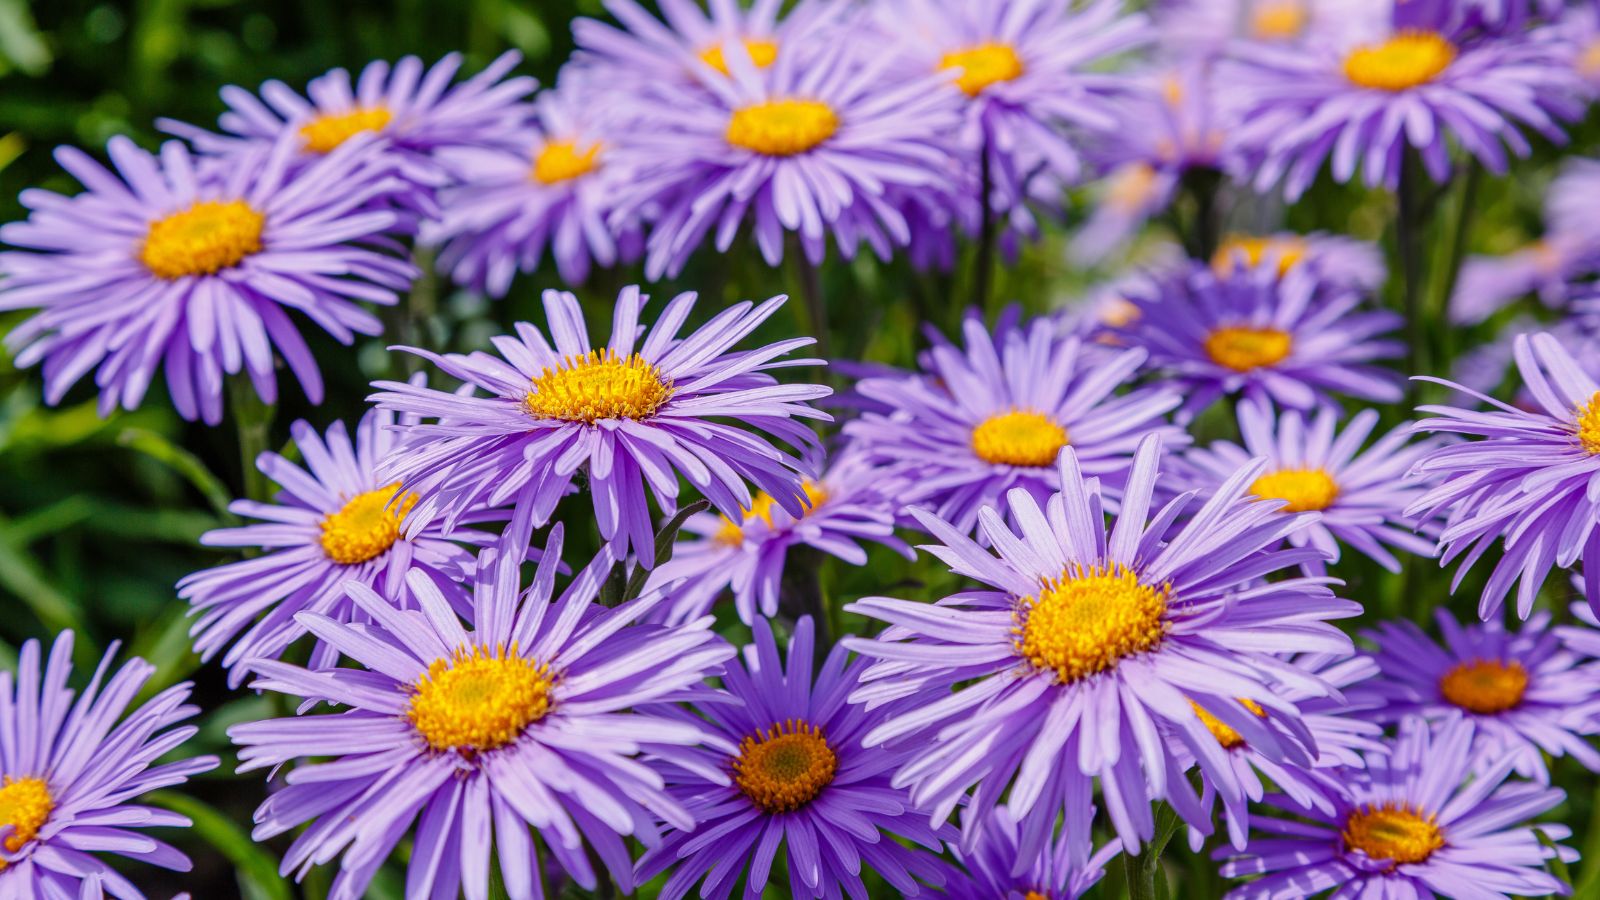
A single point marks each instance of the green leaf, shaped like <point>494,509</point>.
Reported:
<point>257,868</point>
<point>166,644</point>
<point>665,538</point>
<point>19,575</point>
<point>158,447</point>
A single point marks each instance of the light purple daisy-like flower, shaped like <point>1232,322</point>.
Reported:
<point>1366,99</point>
<point>1318,466</point>
<point>1084,655</point>
<point>851,501</point>
<point>1210,27</point>
<point>1525,483</point>
<point>521,720</point>
<point>1527,693</point>
<point>783,770</point>
<point>161,265</point>
<point>988,871</point>
<point>1292,340</point>
<point>71,766</point>
<point>1417,822</point>
<point>633,412</point>
<point>977,422</point>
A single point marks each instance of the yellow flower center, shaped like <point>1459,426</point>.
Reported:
<point>1392,831</point>
<point>1225,735</point>
<point>1305,489</point>
<point>559,161</point>
<point>782,127</point>
<point>479,699</point>
<point>1018,438</point>
<point>366,526</point>
<point>732,532</point>
<point>1120,312</point>
<point>25,805</point>
<point>982,65</point>
<point>1485,686</point>
<point>1131,186</point>
<point>784,767</point>
<point>1085,621</point>
<point>1242,348</point>
<point>1287,251</point>
<point>204,239</point>
<point>598,385</point>
<point>762,52</point>
<point>1589,425</point>
<point>326,132</point>
<point>1407,60</point>
<point>1035,895</point>
<point>1278,20</point>
<point>1589,60</point>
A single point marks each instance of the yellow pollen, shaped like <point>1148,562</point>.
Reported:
<point>1485,686</point>
<point>598,385</point>
<point>732,532</point>
<point>1305,489</point>
<point>1407,60</point>
<point>559,161</point>
<point>479,699</point>
<point>326,132</point>
<point>1589,425</point>
<point>782,127</point>
<point>1589,60</point>
<point>1392,831</point>
<point>1020,437</point>
<point>762,52</point>
<point>366,526</point>
<point>1242,347</point>
<point>204,239</point>
<point>1085,621</point>
<point>784,767</point>
<point>982,65</point>
<point>1131,186</point>
<point>1287,252</point>
<point>1034,895</point>
<point>25,805</point>
<point>1225,735</point>
<point>1120,312</point>
<point>1277,20</point>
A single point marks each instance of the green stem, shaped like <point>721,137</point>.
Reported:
<point>1450,273</point>
<point>983,266</point>
<point>1204,234</point>
<point>1142,870</point>
<point>417,310</point>
<point>1408,243</point>
<point>253,419</point>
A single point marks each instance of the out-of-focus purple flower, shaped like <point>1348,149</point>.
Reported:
<point>1315,259</point>
<point>1418,821</point>
<point>783,770</point>
<point>74,767</point>
<point>1083,640</point>
<point>164,264</point>
<point>524,718</point>
<point>630,413</point>
<point>1209,27</point>
<point>989,870</point>
<point>1528,695</point>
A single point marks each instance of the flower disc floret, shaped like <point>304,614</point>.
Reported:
<point>1020,437</point>
<point>784,767</point>
<point>784,127</point>
<point>1588,425</point>
<point>762,53</point>
<point>479,699</point>
<point>326,132</point>
<point>983,65</point>
<point>25,805</point>
<point>564,160</point>
<point>1407,60</point>
<point>366,526</point>
<point>1219,729</point>
<point>207,237</point>
<point>1085,621</point>
<point>1392,831</point>
<point>1304,489</point>
<point>1485,686</point>
<point>1243,348</point>
<point>599,385</point>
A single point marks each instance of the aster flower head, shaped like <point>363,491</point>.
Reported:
<point>978,421</point>
<point>1524,482</point>
<point>1295,341</point>
<point>1083,642</point>
<point>783,770</point>
<point>987,872</point>
<point>1528,694</point>
<point>1415,822</point>
<point>1211,27</point>
<point>71,763</point>
<point>630,413</point>
<point>163,265</point>
<point>1307,261</point>
<point>520,719</point>
<point>1314,464</point>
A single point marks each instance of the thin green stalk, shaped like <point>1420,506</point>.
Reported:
<point>1204,234</point>
<point>1142,870</point>
<point>983,265</point>
<point>1450,271</point>
<point>253,419</point>
<point>417,311</point>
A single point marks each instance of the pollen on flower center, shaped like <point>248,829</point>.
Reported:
<point>204,239</point>
<point>1589,425</point>
<point>366,526</point>
<point>1088,619</point>
<point>762,52</point>
<point>479,699</point>
<point>559,161</point>
<point>25,805</point>
<point>982,65</point>
<point>732,532</point>
<point>1020,437</point>
<point>1277,20</point>
<point>1588,61</point>
<point>599,385</point>
<point>328,131</point>
<point>1287,252</point>
<point>784,767</point>
<point>1242,348</point>
<point>1392,831</point>
<point>1485,686</point>
<point>1131,186</point>
<point>782,127</point>
<point>1407,60</point>
<point>1305,489</point>
<point>1225,735</point>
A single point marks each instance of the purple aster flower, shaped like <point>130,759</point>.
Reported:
<point>71,767</point>
<point>1314,259</point>
<point>783,770</point>
<point>987,872</point>
<point>1527,693</point>
<point>521,720</point>
<point>1363,99</point>
<point>852,501</point>
<point>630,413</point>
<point>1315,466</point>
<point>1525,483</point>
<point>161,265</point>
<point>1086,648</point>
<point>1210,27</point>
<point>1416,822</point>
<point>978,422</point>
<point>1292,340</point>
